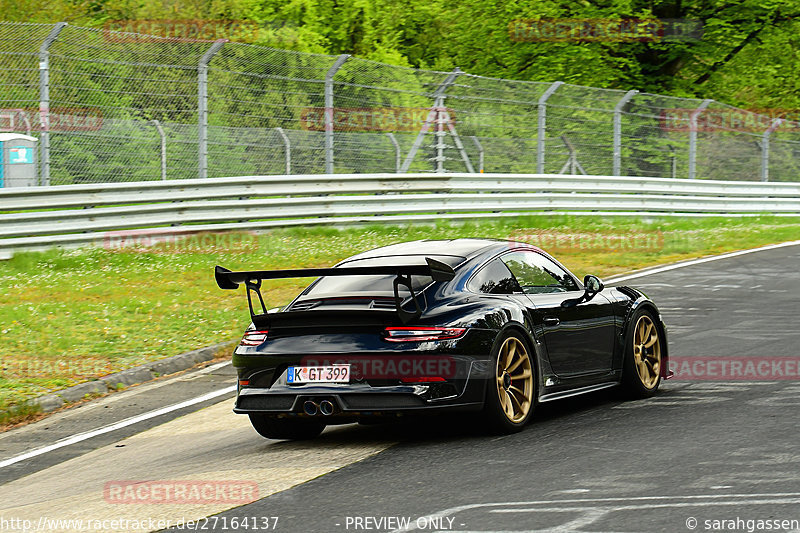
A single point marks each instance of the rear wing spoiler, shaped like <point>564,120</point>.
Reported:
<point>436,270</point>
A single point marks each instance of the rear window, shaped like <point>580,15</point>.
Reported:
<point>376,285</point>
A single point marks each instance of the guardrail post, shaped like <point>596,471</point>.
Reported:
<point>202,107</point>
<point>44,102</point>
<point>161,134</point>
<point>438,103</point>
<point>329,111</point>
<point>541,123</point>
<point>765,148</point>
<point>617,162</point>
<point>396,152</point>
<point>287,149</point>
<point>693,136</point>
<point>479,146</point>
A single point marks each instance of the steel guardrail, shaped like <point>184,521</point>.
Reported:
<point>35,218</point>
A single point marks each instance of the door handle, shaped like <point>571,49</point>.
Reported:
<point>551,321</point>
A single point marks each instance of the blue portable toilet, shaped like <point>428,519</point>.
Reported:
<point>18,160</point>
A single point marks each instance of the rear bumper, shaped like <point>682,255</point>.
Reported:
<point>361,399</point>
<point>348,404</point>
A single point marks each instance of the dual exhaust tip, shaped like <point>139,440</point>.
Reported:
<point>312,408</point>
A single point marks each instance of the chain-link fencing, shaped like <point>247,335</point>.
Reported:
<point>110,106</point>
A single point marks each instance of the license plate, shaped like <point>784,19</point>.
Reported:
<point>318,374</point>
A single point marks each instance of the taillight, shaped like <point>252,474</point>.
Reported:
<point>254,337</point>
<point>418,334</point>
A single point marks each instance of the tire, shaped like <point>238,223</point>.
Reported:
<point>511,392</point>
<point>285,428</point>
<point>641,368</point>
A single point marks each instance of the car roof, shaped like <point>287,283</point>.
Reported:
<point>462,248</point>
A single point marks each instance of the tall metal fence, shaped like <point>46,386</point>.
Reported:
<point>112,106</point>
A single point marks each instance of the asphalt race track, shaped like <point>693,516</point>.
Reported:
<point>709,455</point>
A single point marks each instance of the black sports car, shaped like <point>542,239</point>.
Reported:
<point>436,326</point>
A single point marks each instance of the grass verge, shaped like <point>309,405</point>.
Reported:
<point>68,316</point>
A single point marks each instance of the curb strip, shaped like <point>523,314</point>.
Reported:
<point>132,376</point>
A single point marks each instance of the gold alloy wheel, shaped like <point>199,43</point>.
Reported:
<point>647,351</point>
<point>514,379</point>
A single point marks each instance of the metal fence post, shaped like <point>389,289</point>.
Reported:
<point>673,162</point>
<point>161,134</point>
<point>765,148</point>
<point>287,149</point>
<point>44,102</point>
<point>541,123</point>
<point>693,136</point>
<point>479,146</point>
<point>396,152</point>
<point>329,111</point>
<point>202,107</point>
<point>617,162</point>
<point>439,134</point>
<point>438,102</point>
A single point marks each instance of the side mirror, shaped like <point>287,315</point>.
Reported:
<point>592,284</point>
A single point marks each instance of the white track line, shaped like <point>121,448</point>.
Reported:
<point>115,426</point>
<point>713,499</point>
<point>692,262</point>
